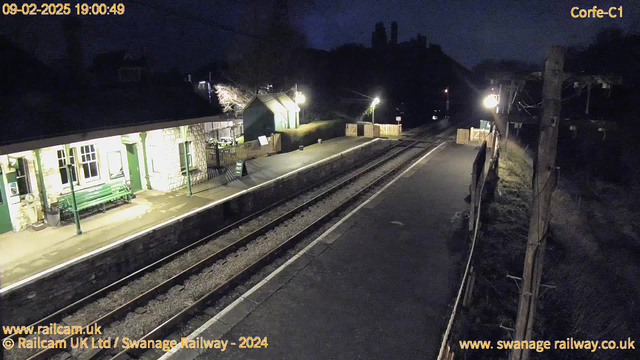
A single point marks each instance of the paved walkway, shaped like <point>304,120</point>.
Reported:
<point>376,286</point>
<point>28,252</point>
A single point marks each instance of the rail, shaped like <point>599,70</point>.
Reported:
<point>121,311</point>
<point>245,273</point>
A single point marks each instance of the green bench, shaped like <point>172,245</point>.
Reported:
<point>94,196</point>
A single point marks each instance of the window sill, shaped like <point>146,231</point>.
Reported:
<point>191,172</point>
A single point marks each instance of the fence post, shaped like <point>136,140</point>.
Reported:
<point>468,294</point>
<point>217,155</point>
<point>473,188</point>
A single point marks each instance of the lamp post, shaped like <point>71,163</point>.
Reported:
<point>300,99</point>
<point>74,203</point>
<point>446,91</point>
<point>375,102</point>
<point>186,158</point>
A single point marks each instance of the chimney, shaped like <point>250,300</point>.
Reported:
<point>379,36</point>
<point>394,33</point>
<point>72,28</point>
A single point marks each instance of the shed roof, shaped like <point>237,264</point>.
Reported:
<point>275,102</point>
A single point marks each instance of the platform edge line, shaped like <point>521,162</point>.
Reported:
<point>170,221</point>
<point>257,286</point>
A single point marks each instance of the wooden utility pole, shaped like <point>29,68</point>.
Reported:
<point>543,184</point>
<point>586,109</point>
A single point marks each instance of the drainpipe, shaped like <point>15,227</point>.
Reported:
<point>186,158</point>
<point>143,138</point>
<point>74,204</point>
<point>186,163</point>
<point>43,191</point>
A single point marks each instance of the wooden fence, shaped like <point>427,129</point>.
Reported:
<point>351,129</point>
<point>390,129</point>
<point>480,135</point>
<point>483,179</point>
<point>477,136</point>
<point>228,156</point>
<point>462,137</point>
<point>371,130</point>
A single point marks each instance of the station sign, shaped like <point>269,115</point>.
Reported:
<point>241,168</point>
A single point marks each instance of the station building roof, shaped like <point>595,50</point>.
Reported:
<point>38,119</point>
<point>275,102</point>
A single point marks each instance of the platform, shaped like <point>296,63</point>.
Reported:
<point>377,285</point>
<point>29,252</point>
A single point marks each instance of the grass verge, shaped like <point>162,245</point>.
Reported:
<point>592,257</point>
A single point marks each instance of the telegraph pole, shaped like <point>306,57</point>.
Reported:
<point>543,185</point>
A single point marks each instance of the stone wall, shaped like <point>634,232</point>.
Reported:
<point>32,300</point>
<point>163,149</point>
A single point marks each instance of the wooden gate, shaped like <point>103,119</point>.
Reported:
<point>351,130</point>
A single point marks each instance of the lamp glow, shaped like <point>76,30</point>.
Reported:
<point>300,98</point>
<point>375,102</point>
<point>490,101</point>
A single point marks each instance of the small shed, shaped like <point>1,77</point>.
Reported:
<point>269,113</point>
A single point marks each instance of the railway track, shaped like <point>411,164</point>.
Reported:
<point>216,261</point>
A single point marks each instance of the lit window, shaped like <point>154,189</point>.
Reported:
<point>190,156</point>
<point>22,176</point>
<point>89,162</point>
<point>114,159</point>
<point>62,165</point>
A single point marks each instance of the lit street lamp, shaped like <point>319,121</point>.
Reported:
<point>300,99</point>
<point>375,102</point>
<point>446,91</point>
<point>491,101</point>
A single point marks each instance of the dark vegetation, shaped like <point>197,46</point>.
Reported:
<point>309,134</point>
<point>593,246</point>
<point>499,252</point>
<point>409,77</point>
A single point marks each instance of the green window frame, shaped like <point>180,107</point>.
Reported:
<point>89,157</point>
<point>22,176</point>
<point>62,166</point>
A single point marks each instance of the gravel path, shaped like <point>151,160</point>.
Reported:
<point>156,311</point>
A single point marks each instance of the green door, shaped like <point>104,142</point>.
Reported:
<point>134,167</point>
<point>5,218</point>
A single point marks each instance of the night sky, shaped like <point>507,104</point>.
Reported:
<point>469,31</point>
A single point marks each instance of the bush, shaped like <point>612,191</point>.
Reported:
<point>308,134</point>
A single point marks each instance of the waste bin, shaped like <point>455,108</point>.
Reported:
<point>460,220</point>
<point>53,216</point>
